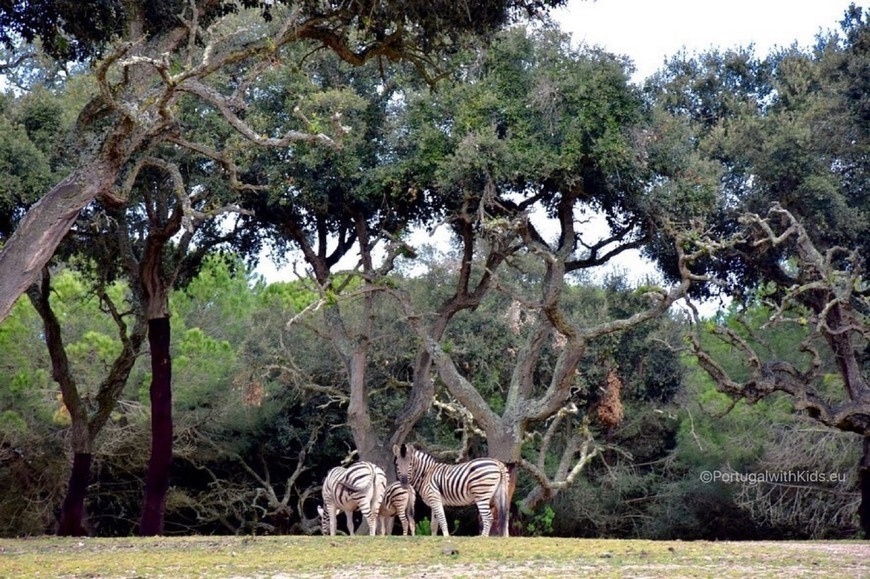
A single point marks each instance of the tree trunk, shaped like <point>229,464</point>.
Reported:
<point>505,444</point>
<point>81,440</point>
<point>72,513</point>
<point>864,485</point>
<point>73,510</point>
<point>364,435</point>
<point>40,231</point>
<point>157,478</point>
<point>505,441</point>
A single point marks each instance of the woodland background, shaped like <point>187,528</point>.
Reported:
<point>182,140</point>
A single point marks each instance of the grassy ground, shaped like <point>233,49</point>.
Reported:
<point>429,557</point>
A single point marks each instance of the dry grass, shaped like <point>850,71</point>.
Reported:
<point>430,557</point>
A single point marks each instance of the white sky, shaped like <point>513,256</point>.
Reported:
<point>649,31</point>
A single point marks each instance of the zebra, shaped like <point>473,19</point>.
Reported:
<point>360,487</point>
<point>481,481</point>
<point>398,500</point>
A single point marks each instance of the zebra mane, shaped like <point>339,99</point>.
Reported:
<point>423,454</point>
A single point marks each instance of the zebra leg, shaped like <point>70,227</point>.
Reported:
<point>333,520</point>
<point>439,518</point>
<point>409,515</point>
<point>404,520</point>
<point>386,525</point>
<point>485,517</point>
<point>371,518</point>
<point>349,516</point>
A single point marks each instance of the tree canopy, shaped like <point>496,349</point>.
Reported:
<point>78,31</point>
<point>168,51</point>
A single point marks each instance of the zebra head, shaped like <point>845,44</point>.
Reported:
<point>404,454</point>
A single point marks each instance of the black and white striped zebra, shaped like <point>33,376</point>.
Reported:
<point>482,481</point>
<point>398,500</point>
<point>359,487</point>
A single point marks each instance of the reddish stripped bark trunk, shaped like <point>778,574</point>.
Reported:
<point>73,510</point>
<point>157,478</point>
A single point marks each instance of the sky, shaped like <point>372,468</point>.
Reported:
<point>650,31</point>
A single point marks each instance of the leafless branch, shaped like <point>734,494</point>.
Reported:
<point>579,450</point>
<point>457,412</point>
<point>821,301</point>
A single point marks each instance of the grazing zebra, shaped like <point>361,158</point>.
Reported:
<point>398,500</point>
<point>358,487</point>
<point>482,481</point>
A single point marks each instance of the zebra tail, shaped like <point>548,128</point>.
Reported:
<point>349,486</point>
<point>503,501</point>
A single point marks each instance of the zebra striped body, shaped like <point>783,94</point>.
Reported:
<point>398,500</point>
<point>483,482</point>
<point>359,487</point>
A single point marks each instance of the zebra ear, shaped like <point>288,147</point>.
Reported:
<point>396,449</point>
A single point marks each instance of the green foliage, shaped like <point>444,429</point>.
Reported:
<point>31,126</point>
<point>788,128</point>
<point>96,347</point>
<point>200,364</point>
<point>11,424</point>
<point>541,523</point>
<point>537,111</point>
<point>228,332</point>
<point>704,441</point>
<point>70,31</point>
<point>24,173</point>
<point>293,296</point>
<point>423,527</point>
<point>25,375</point>
<point>658,485</point>
<point>25,168</point>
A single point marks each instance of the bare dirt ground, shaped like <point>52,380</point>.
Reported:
<point>291,557</point>
<point>769,559</point>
